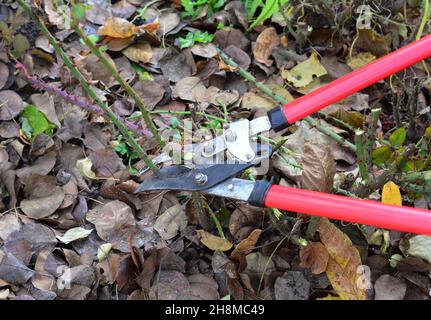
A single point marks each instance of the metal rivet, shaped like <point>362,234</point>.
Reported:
<point>200,178</point>
<point>208,147</point>
<point>226,126</point>
<point>230,136</point>
<point>249,156</point>
<point>230,187</point>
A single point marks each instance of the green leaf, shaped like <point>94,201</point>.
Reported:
<point>193,37</point>
<point>34,122</point>
<point>74,234</point>
<point>398,137</point>
<point>270,7</point>
<point>20,45</point>
<point>103,251</point>
<point>78,11</point>
<point>251,7</point>
<point>406,165</point>
<point>381,154</point>
<point>428,133</point>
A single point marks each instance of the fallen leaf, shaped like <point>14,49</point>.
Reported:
<point>221,97</point>
<point>151,92</point>
<point>344,261</point>
<point>85,168</point>
<point>8,224</point>
<point>170,285</point>
<point>179,66</point>
<point>389,288</point>
<point>213,242</point>
<point>314,256</point>
<point>203,287</point>
<point>207,50</point>
<point>42,166</point>
<point>141,52</point>
<point>420,246</point>
<point>247,245</point>
<point>74,234</point>
<point>318,168</point>
<point>241,58</point>
<point>103,251</point>
<point>168,22</point>
<point>230,36</point>
<point>43,197</point>
<point>304,73</point>
<point>13,270</point>
<point>169,223</point>
<point>257,264</point>
<point>292,286</point>
<point>191,89</point>
<point>265,43</point>
<point>391,194</point>
<point>11,104</point>
<point>4,294</point>
<point>106,162</point>
<point>7,77</point>
<point>98,11</point>
<point>371,41</point>
<point>117,28</point>
<point>360,60</point>
<point>114,222</point>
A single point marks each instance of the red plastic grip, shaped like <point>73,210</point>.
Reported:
<point>337,207</point>
<point>358,79</point>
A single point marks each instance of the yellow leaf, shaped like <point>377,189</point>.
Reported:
<point>117,28</point>
<point>213,242</point>
<point>359,60</point>
<point>304,73</point>
<point>344,262</point>
<point>330,298</point>
<point>391,194</point>
<point>141,52</point>
<point>246,245</point>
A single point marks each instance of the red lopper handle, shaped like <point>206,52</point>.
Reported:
<point>358,80</point>
<point>337,207</point>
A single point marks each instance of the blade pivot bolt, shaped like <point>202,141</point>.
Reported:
<point>201,178</point>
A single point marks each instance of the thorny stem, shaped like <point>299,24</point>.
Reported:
<point>248,76</point>
<point>39,84</point>
<point>424,20</point>
<point>375,113</point>
<point>362,161</point>
<point>69,64</point>
<point>113,71</point>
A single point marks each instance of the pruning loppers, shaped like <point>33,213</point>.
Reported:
<point>239,142</point>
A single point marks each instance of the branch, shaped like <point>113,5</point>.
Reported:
<point>69,64</point>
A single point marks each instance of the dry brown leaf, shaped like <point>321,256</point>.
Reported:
<point>318,167</point>
<point>314,256</point>
<point>171,222</point>
<point>141,52</point>
<point>265,43</point>
<point>117,28</point>
<point>247,245</point>
<point>213,242</point>
<point>190,88</point>
<point>304,73</point>
<point>344,262</point>
<point>11,104</point>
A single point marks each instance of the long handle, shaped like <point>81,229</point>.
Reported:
<point>351,83</point>
<point>337,207</point>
